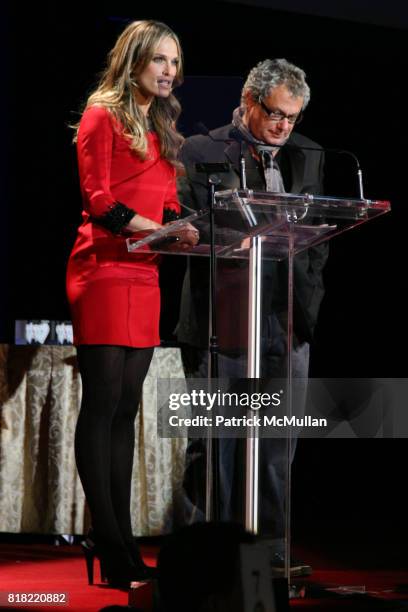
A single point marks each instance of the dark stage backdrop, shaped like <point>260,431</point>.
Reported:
<point>5,103</point>
<point>391,13</point>
<point>356,73</point>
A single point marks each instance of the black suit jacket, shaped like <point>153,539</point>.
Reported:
<point>302,172</point>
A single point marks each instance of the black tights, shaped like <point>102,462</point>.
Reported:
<point>112,379</point>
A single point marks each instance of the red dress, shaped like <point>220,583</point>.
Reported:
<point>114,295</point>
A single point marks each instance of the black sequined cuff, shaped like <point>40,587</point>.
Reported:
<point>117,217</point>
<point>170,215</point>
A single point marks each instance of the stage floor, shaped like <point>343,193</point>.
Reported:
<point>364,570</point>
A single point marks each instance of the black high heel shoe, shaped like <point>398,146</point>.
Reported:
<point>90,551</point>
<point>113,571</point>
<point>122,579</point>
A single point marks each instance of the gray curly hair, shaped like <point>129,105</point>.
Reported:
<point>271,73</point>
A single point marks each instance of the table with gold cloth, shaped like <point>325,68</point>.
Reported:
<point>40,491</point>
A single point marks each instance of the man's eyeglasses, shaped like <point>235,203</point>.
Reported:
<point>275,115</point>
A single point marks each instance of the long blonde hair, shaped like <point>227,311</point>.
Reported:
<point>132,52</point>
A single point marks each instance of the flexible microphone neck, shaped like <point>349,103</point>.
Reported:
<point>337,152</point>
<point>206,132</point>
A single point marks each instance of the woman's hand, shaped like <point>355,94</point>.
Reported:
<point>187,235</point>
<point>140,224</point>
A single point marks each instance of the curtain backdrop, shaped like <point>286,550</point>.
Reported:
<point>40,491</point>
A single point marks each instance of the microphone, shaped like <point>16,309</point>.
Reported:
<point>203,130</point>
<point>338,152</point>
<point>206,132</point>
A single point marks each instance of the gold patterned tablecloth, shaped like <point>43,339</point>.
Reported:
<point>40,491</point>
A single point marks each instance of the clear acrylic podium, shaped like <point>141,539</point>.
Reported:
<point>258,237</point>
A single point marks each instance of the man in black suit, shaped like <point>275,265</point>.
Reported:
<point>273,98</point>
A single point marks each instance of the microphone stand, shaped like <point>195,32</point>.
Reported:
<point>213,180</point>
<point>213,454</point>
<point>213,460</point>
<point>212,510</point>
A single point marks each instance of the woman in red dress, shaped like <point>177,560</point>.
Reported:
<point>127,146</point>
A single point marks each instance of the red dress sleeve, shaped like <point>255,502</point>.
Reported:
<point>94,148</point>
<point>171,200</point>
